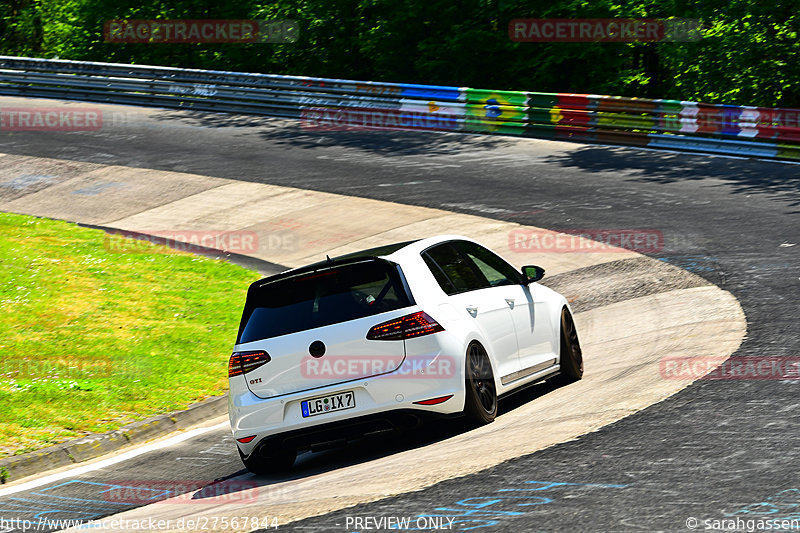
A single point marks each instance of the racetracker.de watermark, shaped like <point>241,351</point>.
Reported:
<point>203,242</point>
<point>604,30</point>
<point>52,367</point>
<point>55,118</point>
<point>733,369</point>
<point>199,523</point>
<point>200,31</point>
<point>352,118</point>
<point>524,240</point>
<point>345,367</point>
<point>145,492</point>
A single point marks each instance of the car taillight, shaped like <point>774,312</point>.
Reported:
<point>244,362</point>
<point>405,327</point>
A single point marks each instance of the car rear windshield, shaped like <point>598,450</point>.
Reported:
<point>320,298</point>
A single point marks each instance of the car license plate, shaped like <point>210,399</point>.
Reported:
<point>328,404</point>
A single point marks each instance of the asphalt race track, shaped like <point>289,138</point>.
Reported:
<point>717,450</point>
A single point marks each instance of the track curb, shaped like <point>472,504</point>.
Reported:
<point>85,448</point>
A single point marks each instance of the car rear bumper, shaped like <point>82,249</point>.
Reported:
<point>332,434</point>
<point>382,403</point>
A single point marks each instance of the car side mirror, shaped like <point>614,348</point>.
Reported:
<point>532,273</point>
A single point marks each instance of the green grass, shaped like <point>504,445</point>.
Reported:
<point>92,338</point>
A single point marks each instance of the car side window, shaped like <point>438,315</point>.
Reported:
<point>440,276</point>
<point>494,268</point>
<point>451,270</point>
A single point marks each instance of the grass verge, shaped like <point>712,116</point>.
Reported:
<point>92,339</point>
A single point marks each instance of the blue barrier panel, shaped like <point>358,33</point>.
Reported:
<point>730,120</point>
<point>431,92</point>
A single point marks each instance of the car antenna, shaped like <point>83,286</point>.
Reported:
<point>328,258</point>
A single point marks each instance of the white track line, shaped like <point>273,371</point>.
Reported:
<point>78,470</point>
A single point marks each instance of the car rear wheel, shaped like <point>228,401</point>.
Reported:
<point>571,354</point>
<point>269,463</point>
<point>481,402</point>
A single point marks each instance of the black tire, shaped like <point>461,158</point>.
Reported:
<point>571,354</point>
<point>480,406</point>
<point>276,461</point>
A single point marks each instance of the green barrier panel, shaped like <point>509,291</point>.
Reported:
<point>542,115</point>
<point>484,96</point>
<point>542,99</point>
<point>623,120</point>
<point>670,106</point>
<point>492,115</point>
<point>670,123</point>
<point>789,151</point>
<point>505,128</point>
<point>540,131</point>
<point>488,110</point>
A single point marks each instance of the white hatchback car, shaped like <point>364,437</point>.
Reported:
<point>373,340</point>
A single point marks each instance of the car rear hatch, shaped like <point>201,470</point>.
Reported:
<point>313,326</point>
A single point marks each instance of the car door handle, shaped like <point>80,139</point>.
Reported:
<point>510,302</point>
<point>472,310</point>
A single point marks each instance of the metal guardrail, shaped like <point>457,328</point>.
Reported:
<point>326,103</point>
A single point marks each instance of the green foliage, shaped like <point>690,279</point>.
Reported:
<point>748,53</point>
<point>96,335</point>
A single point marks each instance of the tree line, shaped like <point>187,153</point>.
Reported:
<point>747,54</point>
